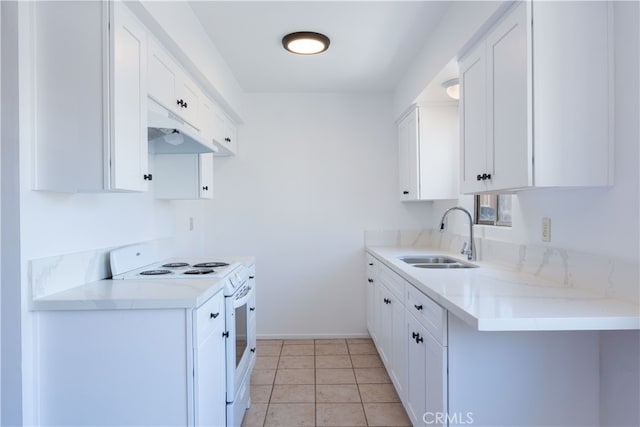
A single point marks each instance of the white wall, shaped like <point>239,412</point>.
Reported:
<point>313,172</point>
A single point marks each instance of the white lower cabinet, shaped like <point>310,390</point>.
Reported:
<point>455,375</point>
<point>131,367</point>
<point>426,400</point>
<point>371,269</point>
<point>210,393</point>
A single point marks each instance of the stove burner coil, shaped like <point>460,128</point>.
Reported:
<point>200,271</point>
<point>154,272</point>
<point>175,264</point>
<point>211,264</point>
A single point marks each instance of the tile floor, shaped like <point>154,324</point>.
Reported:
<point>337,382</point>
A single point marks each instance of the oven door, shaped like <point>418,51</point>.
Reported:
<point>241,342</point>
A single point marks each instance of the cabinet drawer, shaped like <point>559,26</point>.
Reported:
<point>393,282</point>
<point>428,313</point>
<point>209,315</point>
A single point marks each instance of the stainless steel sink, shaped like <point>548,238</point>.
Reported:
<point>435,261</point>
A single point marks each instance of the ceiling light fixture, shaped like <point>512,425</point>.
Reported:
<point>452,87</point>
<point>305,43</point>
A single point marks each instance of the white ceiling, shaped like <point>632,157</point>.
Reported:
<point>372,42</point>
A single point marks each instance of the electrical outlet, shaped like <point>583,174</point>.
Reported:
<point>190,223</point>
<point>546,229</point>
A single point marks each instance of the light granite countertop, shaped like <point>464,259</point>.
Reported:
<point>110,294</point>
<point>490,298</point>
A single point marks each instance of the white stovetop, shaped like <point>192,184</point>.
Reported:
<point>136,293</point>
<point>493,299</point>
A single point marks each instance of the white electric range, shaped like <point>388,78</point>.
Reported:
<point>139,262</point>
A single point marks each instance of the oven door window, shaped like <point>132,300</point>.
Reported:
<point>241,332</point>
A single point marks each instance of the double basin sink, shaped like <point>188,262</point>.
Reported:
<point>435,261</point>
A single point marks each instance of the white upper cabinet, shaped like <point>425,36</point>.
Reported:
<point>171,87</point>
<point>224,132</point>
<point>536,103</point>
<point>428,153</point>
<point>129,150</point>
<point>217,127</point>
<point>408,161</point>
<point>87,63</point>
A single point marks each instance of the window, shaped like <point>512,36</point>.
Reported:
<point>493,209</point>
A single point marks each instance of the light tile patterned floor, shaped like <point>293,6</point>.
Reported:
<point>337,382</point>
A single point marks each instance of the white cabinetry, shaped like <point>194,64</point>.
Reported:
<point>218,128</point>
<point>390,314</point>
<point>426,330</point>
<point>183,176</point>
<point>210,397</point>
<point>224,132</point>
<point>456,375</point>
<point>156,366</point>
<point>372,277</point>
<point>428,153</point>
<point>170,86</point>
<point>88,65</point>
<point>514,102</point>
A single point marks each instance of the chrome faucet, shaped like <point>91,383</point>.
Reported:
<point>471,251</point>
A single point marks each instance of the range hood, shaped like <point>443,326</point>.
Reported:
<point>169,134</point>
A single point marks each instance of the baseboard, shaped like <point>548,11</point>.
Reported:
<point>309,336</point>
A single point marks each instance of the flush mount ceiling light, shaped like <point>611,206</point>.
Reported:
<point>452,87</point>
<point>305,43</point>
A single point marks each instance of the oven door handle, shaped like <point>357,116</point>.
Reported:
<point>243,299</point>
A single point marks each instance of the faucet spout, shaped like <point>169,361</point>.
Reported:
<point>471,251</point>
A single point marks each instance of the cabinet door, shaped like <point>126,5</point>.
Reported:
<point>163,76</point>
<point>473,106</point>
<point>385,324</point>
<point>416,370</point>
<point>408,160</point>
<point>371,296</point>
<point>209,374</point>
<point>399,351</point>
<point>508,131</point>
<point>189,99</point>
<point>231,136</point>
<point>129,150</point>
<point>206,175</point>
<point>436,377</point>
<point>426,375</point>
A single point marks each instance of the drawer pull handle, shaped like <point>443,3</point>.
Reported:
<point>225,334</point>
<point>370,280</point>
<point>252,309</point>
<point>214,315</point>
<point>252,277</point>
<point>253,350</point>
<point>418,307</point>
<point>387,301</point>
